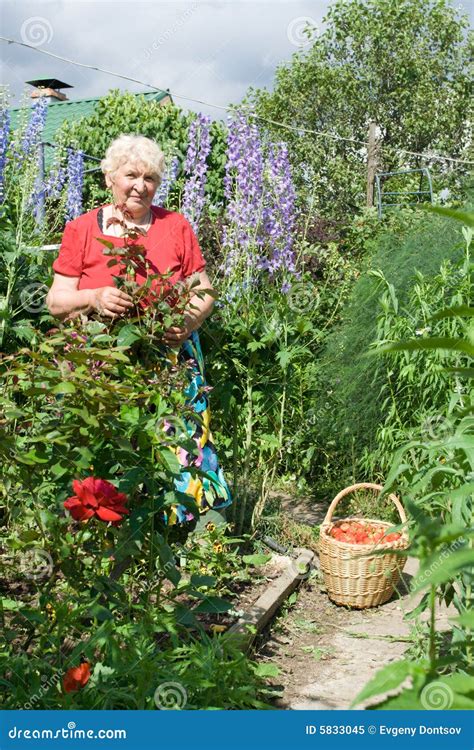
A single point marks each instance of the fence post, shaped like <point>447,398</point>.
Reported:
<point>372,158</point>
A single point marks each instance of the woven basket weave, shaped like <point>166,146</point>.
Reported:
<point>353,575</point>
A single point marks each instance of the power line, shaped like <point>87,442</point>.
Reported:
<point>269,121</point>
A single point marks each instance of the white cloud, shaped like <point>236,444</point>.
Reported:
<point>210,51</point>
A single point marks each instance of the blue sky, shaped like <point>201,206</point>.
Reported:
<point>210,51</point>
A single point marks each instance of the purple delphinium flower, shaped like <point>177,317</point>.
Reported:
<point>55,181</point>
<point>169,178</point>
<point>50,188</point>
<point>75,175</point>
<point>34,129</point>
<point>4,136</point>
<point>279,210</point>
<point>243,184</point>
<point>199,147</point>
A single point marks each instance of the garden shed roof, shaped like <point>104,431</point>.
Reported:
<point>58,112</point>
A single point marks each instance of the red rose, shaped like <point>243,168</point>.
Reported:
<point>96,497</point>
<point>76,677</point>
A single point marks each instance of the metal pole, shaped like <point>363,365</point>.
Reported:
<point>371,163</point>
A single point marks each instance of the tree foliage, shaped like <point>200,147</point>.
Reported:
<point>403,63</point>
<point>122,112</point>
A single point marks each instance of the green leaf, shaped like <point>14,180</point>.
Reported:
<point>460,683</point>
<point>11,604</point>
<point>407,700</point>
<point>111,354</point>
<point>439,342</point>
<point>464,216</point>
<point>65,387</point>
<point>14,413</point>
<point>32,615</point>
<point>256,559</point>
<point>108,244</point>
<point>454,312</point>
<point>213,605</point>
<point>197,580</point>
<point>387,678</point>
<point>267,670</point>
<point>99,613</point>
<point>168,459</point>
<point>284,357</point>
<point>442,567</point>
<point>466,619</point>
<point>464,372</point>
<point>128,334</point>
<point>421,607</point>
<point>31,458</point>
<point>253,346</point>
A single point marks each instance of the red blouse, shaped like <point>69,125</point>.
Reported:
<point>170,244</point>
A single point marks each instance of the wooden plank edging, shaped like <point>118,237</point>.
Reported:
<point>260,613</point>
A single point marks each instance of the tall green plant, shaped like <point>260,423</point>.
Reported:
<point>435,476</point>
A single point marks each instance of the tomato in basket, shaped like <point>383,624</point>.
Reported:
<point>358,532</point>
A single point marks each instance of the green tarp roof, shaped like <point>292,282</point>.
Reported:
<point>70,110</point>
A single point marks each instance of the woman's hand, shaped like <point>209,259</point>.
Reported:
<point>110,301</point>
<point>175,336</point>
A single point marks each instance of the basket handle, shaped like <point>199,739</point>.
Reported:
<point>361,486</point>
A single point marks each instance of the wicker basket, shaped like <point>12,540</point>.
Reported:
<point>352,575</point>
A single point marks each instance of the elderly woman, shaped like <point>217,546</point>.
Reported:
<point>83,283</point>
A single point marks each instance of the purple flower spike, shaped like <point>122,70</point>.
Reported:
<point>34,129</point>
<point>196,166</point>
<point>4,135</point>
<point>280,209</point>
<point>169,178</point>
<point>259,232</point>
<point>75,176</point>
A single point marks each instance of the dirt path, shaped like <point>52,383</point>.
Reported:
<point>327,653</point>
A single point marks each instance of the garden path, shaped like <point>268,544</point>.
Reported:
<point>326,653</point>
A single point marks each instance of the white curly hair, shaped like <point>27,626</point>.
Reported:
<point>136,149</point>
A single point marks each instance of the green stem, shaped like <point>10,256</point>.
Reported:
<point>432,640</point>
<point>235,460</point>
<point>247,449</point>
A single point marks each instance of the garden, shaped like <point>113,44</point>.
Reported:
<point>339,352</point>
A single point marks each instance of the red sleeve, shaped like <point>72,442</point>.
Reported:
<point>71,253</point>
<point>192,259</point>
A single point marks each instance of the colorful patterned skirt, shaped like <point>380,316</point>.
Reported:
<point>211,490</point>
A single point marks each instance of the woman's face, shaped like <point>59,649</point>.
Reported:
<point>133,185</point>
